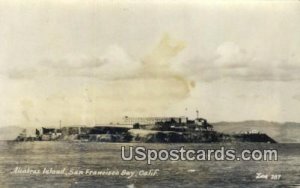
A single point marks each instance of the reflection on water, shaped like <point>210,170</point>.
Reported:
<point>77,156</point>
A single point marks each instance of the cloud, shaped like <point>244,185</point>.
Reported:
<point>112,64</point>
<point>17,74</point>
<point>229,55</point>
<point>231,61</point>
<point>228,61</point>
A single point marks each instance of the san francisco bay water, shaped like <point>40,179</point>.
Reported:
<point>107,157</point>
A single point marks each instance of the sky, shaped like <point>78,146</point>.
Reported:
<point>89,62</point>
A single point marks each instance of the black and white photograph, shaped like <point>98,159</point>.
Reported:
<point>149,93</point>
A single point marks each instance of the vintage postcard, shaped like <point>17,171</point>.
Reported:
<point>163,93</point>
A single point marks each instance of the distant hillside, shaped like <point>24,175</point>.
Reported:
<point>11,132</point>
<point>282,132</point>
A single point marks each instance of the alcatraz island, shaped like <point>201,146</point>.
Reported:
<point>145,130</point>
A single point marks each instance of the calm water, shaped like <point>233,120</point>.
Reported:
<point>99,156</point>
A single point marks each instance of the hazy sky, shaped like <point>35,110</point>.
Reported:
<point>86,62</point>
